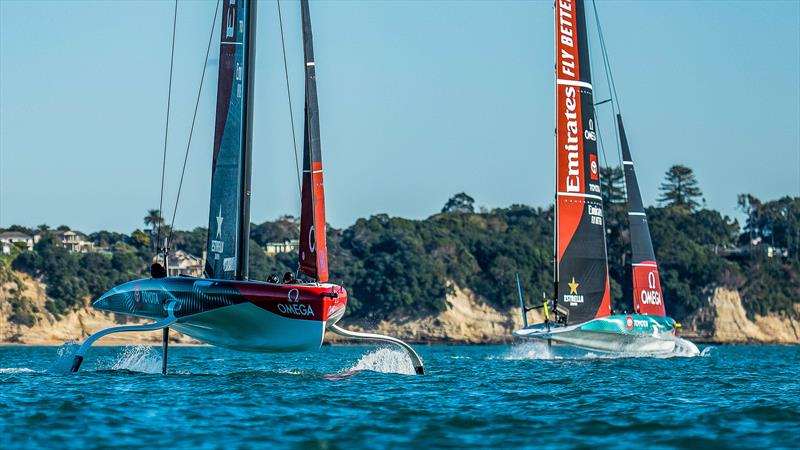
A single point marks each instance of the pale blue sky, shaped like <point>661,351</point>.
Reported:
<point>419,100</point>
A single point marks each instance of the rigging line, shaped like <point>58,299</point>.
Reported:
<point>594,110</point>
<point>612,87</point>
<point>194,118</point>
<point>615,109</point>
<point>289,96</point>
<point>166,128</point>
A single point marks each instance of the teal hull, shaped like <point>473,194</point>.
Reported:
<point>634,333</point>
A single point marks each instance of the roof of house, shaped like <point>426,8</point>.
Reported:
<point>14,235</point>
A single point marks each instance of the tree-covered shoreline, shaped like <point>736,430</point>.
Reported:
<point>393,265</point>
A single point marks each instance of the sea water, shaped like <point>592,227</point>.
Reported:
<point>523,396</point>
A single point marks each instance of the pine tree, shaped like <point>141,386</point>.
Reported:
<point>613,181</point>
<point>680,189</point>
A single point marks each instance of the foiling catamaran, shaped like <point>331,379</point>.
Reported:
<point>580,313</point>
<point>225,308</point>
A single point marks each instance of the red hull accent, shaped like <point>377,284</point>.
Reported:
<point>305,302</point>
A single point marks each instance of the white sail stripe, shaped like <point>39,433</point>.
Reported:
<point>310,63</point>
<point>644,265</point>
<point>574,83</point>
<point>312,171</point>
<point>573,194</point>
<point>231,43</point>
<point>630,213</point>
<point>627,163</point>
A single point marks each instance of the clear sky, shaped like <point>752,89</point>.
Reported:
<point>419,100</point>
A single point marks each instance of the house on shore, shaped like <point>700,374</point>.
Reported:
<point>273,248</point>
<point>182,263</point>
<point>10,239</point>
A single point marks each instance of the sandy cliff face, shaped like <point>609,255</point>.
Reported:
<point>724,319</point>
<point>468,319</point>
<point>46,329</point>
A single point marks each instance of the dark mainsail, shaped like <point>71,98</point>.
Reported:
<point>581,275</point>
<point>229,215</point>
<point>647,296</point>
<point>313,247</point>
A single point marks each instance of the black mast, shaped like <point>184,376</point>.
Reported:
<point>242,264</point>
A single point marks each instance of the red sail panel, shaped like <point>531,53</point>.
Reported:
<point>647,295</point>
<point>582,266</point>
<point>313,245</point>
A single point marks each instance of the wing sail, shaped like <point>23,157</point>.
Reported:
<point>647,295</point>
<point>228,221</point>
<point>582,283</point>
<point>313,246</point>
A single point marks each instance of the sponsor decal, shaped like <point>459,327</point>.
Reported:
<point>628,323</point>
<point>229,264</point>
<point>137,297</point>
<point>230,22</point>
<point>571,146</point>
<point>217,245</point>
<point>573,298</point>
<point>566,35</point>
<point>651,296</point>
<point>641,323</point>
<point>141,298</point>
<point>593,170</point>
<point>296,309</point>
<point>220,219</point>
<point>595,214</point>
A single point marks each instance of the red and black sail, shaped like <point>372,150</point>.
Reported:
<point>647,296</point>
<point>313,247</point>
<point>229,215</point>
<point>582,283</point>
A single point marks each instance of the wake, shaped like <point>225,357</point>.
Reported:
<point>382,360</point>
<point>537,350</point>
<point>139,358</point>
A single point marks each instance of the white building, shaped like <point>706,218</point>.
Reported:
<point>272,248</point>
<point>183,263</point>
<point>75,241</point>
<point>8,240</point>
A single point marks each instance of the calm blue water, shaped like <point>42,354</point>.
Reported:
<point>354,397</point>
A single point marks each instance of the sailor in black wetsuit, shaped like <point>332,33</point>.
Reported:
<point>158,271</point>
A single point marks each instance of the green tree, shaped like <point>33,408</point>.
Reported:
<point>613,184</point>
<point>680,189</point>
<point>460,203</point>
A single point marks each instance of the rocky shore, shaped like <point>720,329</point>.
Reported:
<point>24,320</point>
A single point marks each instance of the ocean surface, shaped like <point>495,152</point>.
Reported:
<point>523,396</point>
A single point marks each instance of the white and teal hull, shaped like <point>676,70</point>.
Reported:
<point>636,333</point>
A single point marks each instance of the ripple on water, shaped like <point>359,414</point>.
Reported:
<point>493,397</point>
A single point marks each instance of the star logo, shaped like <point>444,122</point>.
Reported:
<point>219,222</point>
<point>573,287</point>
